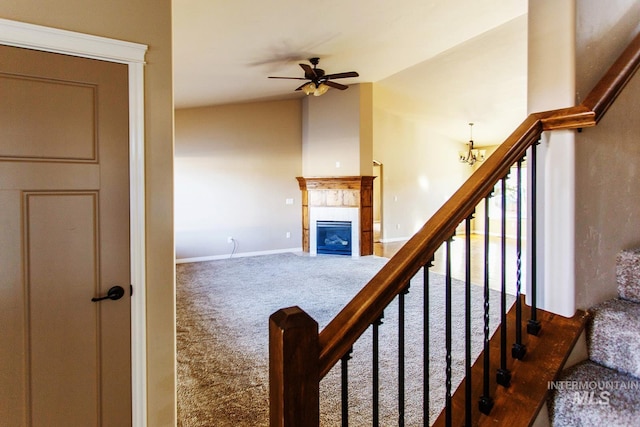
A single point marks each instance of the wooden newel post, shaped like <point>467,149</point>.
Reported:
<point>294,374</point>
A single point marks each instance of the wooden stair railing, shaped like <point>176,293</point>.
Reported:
<point>300,357</point>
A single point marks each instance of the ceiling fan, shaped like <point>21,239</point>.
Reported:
<point>319,82</point>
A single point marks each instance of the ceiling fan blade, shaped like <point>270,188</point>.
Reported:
<point>309,73</point>
<point>335,85</point>
<point>342,75</point>
<point>290,78</point>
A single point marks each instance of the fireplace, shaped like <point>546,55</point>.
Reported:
<point>347,199</point>
<point>333,237</point>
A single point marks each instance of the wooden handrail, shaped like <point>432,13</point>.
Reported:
<point>615,79</point>
<point>343,331</point>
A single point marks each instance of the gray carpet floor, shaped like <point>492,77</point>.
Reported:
<point>223,309</point>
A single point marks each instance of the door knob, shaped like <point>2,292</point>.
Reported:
<point>116,292</point>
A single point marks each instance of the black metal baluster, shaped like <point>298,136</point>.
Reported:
<point>486,401</point>
<point>467,322</point>
<point>533,326</point>
<point>425,344</point>
<point>345,387</point>
<point>503,376</point>
<point>519,350</point>
<point>448,322</point>
<point>401,355</point>
<point>376,376</point>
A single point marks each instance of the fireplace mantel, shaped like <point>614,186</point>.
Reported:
<point>339,192</point>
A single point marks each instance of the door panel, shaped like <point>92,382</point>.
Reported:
<point>56,299</point>
<point>64,112</point>
<point>64,236</point>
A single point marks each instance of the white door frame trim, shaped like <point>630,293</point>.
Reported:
<point>46,39</point>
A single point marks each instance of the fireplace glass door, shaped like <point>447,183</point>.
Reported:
<point>334,237</point>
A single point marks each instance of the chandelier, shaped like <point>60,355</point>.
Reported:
<point>471,155</point>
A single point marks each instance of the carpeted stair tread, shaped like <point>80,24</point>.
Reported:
<point>605,390</point>
<point>589,394</point>
<point>613,336</point>
<point>628,274</point>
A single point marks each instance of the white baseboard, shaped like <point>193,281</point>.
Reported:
<point>395,239</point>
<point>235,255</point>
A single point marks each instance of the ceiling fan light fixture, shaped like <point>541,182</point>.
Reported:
<point>321,90</point>
<point>318,81</point>
<point>309,88</point>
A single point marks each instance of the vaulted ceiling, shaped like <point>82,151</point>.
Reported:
<point>454,62</point>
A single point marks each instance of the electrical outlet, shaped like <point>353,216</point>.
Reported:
<point>288,235</point>
<point>229,239</point>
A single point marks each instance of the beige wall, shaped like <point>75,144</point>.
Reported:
<point>331,133</point>
<point>421,168</point>
<point>222,164</point>
<point>366,129</point>
<point>607,156</point>
<point>235,167</point>
<point>147,22</point>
